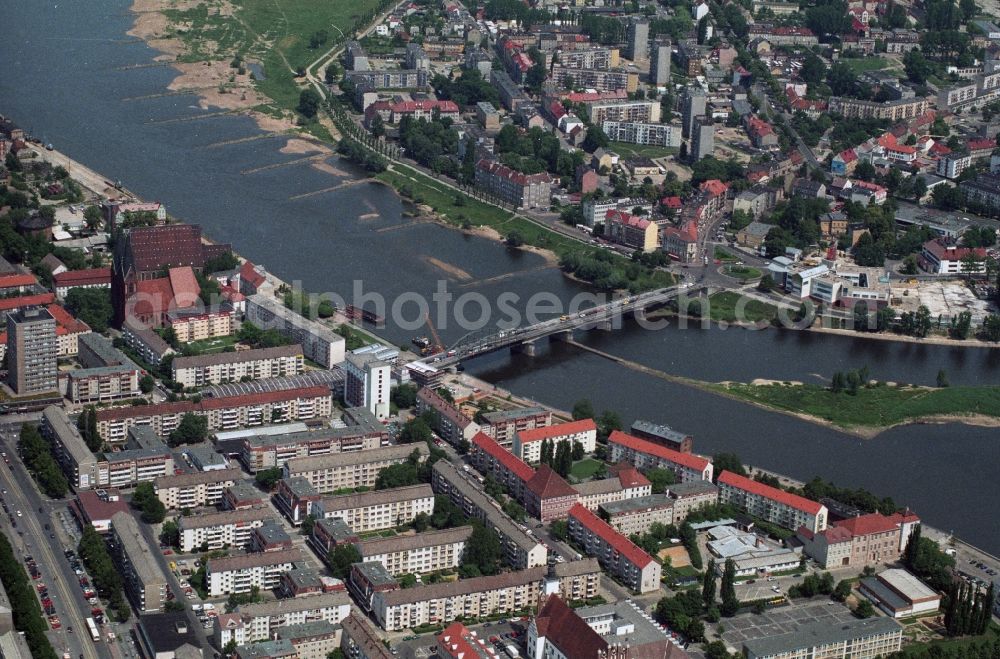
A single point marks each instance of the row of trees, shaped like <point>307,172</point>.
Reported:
<point>86,423</point>
<point>145,500</point>
<point>23,603</point>
<point>561,456</point>
<point>969,609</point>
<point>103,573</point>
<point>36,453</point>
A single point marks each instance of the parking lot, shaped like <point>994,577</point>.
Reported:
<point>425,645</point>
<point>782,620</point>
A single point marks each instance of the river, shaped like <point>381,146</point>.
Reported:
<point>70,77</point>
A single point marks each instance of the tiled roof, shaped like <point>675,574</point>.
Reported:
<point>494,168</point>
<point>17,280</point>
<point>714,187</point>
<point>426,105</point>
<point>514,464</point>
<point>65,323</point>
<point>628,549</point>
<point>249,274</point>
<point>868,524</point>
<point>443,407</point>
<point>559,625</point>
<point>457,642</point>
<point>91,277</point>
<point>13,303</point>
<point>684,459</point>
<point>548,432</point>
<point>621,217</point>
<point>152,248</point>
<point>547,484</point>
<point>628,475</point>
<point>768,492</point>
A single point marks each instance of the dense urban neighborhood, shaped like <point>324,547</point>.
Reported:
<point>201,459</point>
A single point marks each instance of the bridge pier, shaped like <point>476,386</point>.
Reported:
<point>565,336</point>
<point>524,348</point>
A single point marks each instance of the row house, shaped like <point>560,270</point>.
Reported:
<point>229,528</point>
<point>377,510</point>
<point>528,443</point>
<point>644,454</point>
<point>328,473</point>
<point>240,574</point>
<point>266,451</point>
<point>195,489</point>
<point>520,550</point>
<point>421,553</point>
<point>770,503</point>
<point>222,413</point>
<point>616,553</point>
<point>223,367</point>
<point>506,593</point>
<point>501,426</point>
<point>449,421</point>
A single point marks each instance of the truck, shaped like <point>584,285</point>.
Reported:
<point>511,651</point>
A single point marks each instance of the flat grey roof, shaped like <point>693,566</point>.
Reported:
<point>68,434</point>
<point>135,546</point>
<point>333,460</point>
<point>310,603</point>
<point>821,633</point>
<point>692,488</point>
<point>504,416</point>
<point>638,503</point>
<point>376,497</point>
<point>644,630</point>
<point>398,543</point>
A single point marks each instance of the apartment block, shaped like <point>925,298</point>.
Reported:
<point>328,473</point>
<point>32,350</point>
<point>528,443</point>
<point>295,497</point>
<point>198,325</point>
<point>267,450</point>
<point>770,503</point>
<point>629,111</point>
<point>644,454</point>
<point>396,610</point>
<point>312,640</point>
<point>626,482</point>
<point>630,516</point>
<point>194,489</point>
<point>147,343</point>
<point>660,433</point>
<point>223,413</point>
<point>501,426</point>
<point>319,343</point>
<point>691,496</point>
<point>449,422</point>
<point>606,80</point>
<point>547,495</point>
<point>132,466</point>
<point>224,367</point>
<point>590,58</point>
<point>241,494</point>
<point>144,581</point>
<point>513,187</point>
<point>616,553</point>
<point>229,528</point>
<point>239,574</point>
<point>417,554</point>
<point>380,509</point>
<point>359,640</point>
<point>856,639</point>
<point>366,383</point>
<point>102,384</point>
<point>637,132</point>
<point>491,459</point>
<point>521,551</point>
<point>71,452</point>
<point>263,619</point>
<point>851,108</point>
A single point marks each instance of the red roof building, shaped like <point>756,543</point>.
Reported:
<point>941,257</point>
<point>95,509</point>
<point>155,298</point>
<point>10,304</point>
<point>527,443</point>
<point>90,278</point>
<point>673,203</point>
<point>547,495</point>
<point>645,454</point>
<point>761,133</point>
<point>456,641</point>
<point>616,553</point>
<point>505,467</point>
<point>860,541</point>
<point>557,624</point>
<point>17,282</point>
<point>771,503</point>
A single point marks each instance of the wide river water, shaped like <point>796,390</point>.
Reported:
<point>69,76</point>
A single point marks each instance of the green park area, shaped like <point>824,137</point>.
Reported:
<point>627,150</point>
<point>741,272</point>
<point>585,469</point>
<point>873,407</point>
<point>731,307</point>
<point>861,65</point>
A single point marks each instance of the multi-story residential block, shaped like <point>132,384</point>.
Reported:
<point>644,454</point>
<point>783,35</point>
<point>951,165</point>
<point>761,133</point>
<point>484,596</point>
<point>102,384</point>
<point>983,89</point>
<point>229,528</point>
<point>870,539</point>
<point>195,489</point>
<point>984,190</point>
<point>770,503</point>
<point>603,80</point>
<point>757,200</point>
<point>595,211</point>
<point>851,108</point>
<point>32,350</point>
<point>528,443</point>
<point>239,574</point>
<point>417,554</point>
<point>667,135</point>
<point>71,452</point>
<point>691,496</point>
<point>857,639</point>
<point>623,110</point>
<point>392,78</point>
<point>702,139</point>
<point>366,383</point>
<point>547,495</point>
<point>132,466</point>
<point>632,231</point>
<point>144,581</point>
<point>319,343</point>
<point>693,104</point>
<point>223,413</point>
<point>637,39</point>
<point>501,426</point>
<point>659,63</point>
<point>940,257</point>
<point>507,469</point>
<point>200,324</point>
<point>147,343</point>
<point>266,451</point>
<point>263,619</point>
<point>512,187</point>
<point>449,421</point>
<point>359,641</point>
<point>223,367</point>
<point>520,550</point>
<point>295,497</point>
<point>628,516</point>
<point>336,471</point>
<point>394,113</point>
<point>663,434</point>
<point>625,482</point>
<point>616,553</point>
<point>600,58</point>
<point>242,494</point>
<point>311,640</point>
<point>377,510</point>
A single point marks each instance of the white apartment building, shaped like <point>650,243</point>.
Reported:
<point>144,581</point>
<point>635,132</point>
<point>194,489</point>
<point>776,506</point>
<point>644,454</point>
<point>229,528</point>
<point>528,443</point>
<point>616,553</point>
<point>239,574</point>
<point>328,473</point>
<point>131,466</point>
<point>367,383</point>
<point>224,367</point>
<point>417,554</point>
<point>319,343</point>
<point>263,619</point>
<point>380,509</point>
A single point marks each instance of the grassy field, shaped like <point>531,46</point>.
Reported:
<point>731,307</point>
<point>742,272</point>
<point>723,255</point>
<point>876,407</point>
<point>275,32</point>
<point>584,469</point>
<point>627,150</point>
<point>862,64</point>
<point>215,344</point>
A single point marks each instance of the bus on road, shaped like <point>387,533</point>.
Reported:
<point>92,627</point>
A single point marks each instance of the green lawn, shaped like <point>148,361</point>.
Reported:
<point>742,272</point>
<point>585,469</point>
<point>875,407</point>
<point>862,64</point>
<point>731,307</point>
<point>627,150</point>
<point>723,255</point>
<point>215,344</point>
